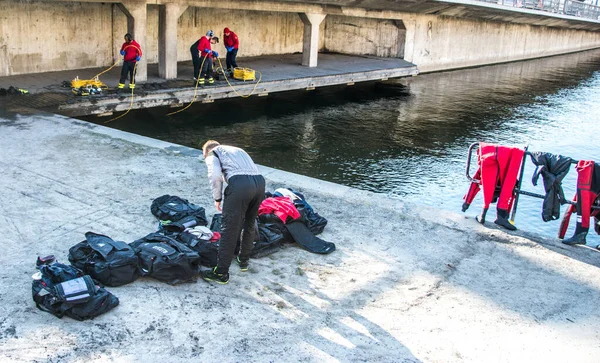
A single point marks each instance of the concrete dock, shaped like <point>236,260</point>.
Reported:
<point>277,73</point>
<point>406,284</point>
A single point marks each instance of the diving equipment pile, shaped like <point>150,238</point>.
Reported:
<point>173,254</point>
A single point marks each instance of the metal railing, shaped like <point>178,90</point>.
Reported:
<point>577,8</point>
<point>567,7</point>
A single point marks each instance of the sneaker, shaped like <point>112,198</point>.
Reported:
<point>212,275</point>
<point>243,264</point>
<point>47,260</point>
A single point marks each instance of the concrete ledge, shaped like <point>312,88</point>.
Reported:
<point>202,94</point>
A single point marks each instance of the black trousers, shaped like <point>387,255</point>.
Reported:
<point>243,196</point>
<point>128,68</point>
<point>196,60</point>
<point>230,59</point>
<point>207,67</point>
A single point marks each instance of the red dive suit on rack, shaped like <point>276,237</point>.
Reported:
<point>498,170</point>
<point>588,189</point>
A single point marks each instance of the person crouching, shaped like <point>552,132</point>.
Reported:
<point>244,192</point>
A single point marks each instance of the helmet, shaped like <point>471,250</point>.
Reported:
<point>210,33</point>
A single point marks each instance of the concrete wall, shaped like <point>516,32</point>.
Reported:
<point>363,36</point>
<point>258,32</point>
<point>38,37</point>
<point>438,43</point>
<point>42,36</point>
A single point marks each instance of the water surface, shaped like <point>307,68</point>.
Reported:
<point>408,138</point>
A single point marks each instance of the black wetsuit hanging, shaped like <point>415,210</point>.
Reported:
<point>553,169</point>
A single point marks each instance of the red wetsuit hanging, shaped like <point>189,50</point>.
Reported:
<point>498,171</point>
<point>588,189</point>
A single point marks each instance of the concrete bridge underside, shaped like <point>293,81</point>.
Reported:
<point>39,36</point>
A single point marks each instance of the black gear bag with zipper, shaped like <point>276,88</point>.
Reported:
<point>64,290</point>
<point>208,251</point>
<point>166,259</point>
<point>112,263</point>
<point>173,208</point>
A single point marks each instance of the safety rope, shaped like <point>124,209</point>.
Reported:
<point>95,81</point>
<point>132,86</point>
<point>226,78</point>
<point>195,89</point>
<point>234,90</point>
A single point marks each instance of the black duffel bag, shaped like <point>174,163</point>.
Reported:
<point>64,290</point>
<point>207,250</point>
<point>166,259</point>
<point>174,209</point>
<point>113,263</point>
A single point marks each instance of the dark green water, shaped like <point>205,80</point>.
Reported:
<point>408,139</point>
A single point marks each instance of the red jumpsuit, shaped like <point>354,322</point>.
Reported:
<point>588,189</point>
<point>498,171</point>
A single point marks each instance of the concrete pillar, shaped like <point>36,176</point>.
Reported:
<point>310,42</point>
<point>167,39</point>
<point>411,33</point>
<point>136,25</point>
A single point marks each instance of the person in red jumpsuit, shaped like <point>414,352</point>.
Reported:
<point>132,53</point>
<point>206,56</point>
<point>232,44</point>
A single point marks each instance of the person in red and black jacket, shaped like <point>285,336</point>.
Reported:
<point>132,53</point>
<point>232,44</point>
<point>202,54</point>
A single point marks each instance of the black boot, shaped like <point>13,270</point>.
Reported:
<point>481,218</point>
<point>465,206</point>
<point>502,220</point>
<point>578,237</point>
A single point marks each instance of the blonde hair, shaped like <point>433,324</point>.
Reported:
<point>208,146</point>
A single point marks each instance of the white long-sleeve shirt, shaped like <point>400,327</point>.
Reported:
<point>225,161</point>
